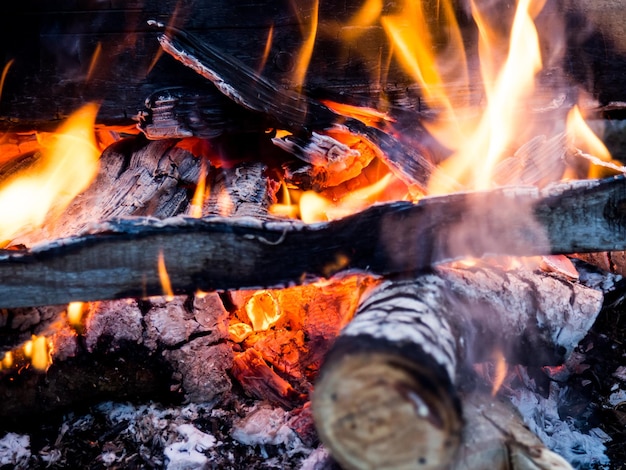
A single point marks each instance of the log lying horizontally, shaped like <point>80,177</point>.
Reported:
<point>386,395</point>
<point>119,259</point>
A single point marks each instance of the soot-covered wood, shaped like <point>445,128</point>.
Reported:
<point>66,53</point>
<point>120,258</point>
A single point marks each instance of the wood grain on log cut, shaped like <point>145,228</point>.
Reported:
<point>386,394</point>
<point>120,259</point>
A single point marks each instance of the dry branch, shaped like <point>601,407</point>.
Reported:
<point>386,395</point>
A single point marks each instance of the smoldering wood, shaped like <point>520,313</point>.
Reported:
<point>118,259</point>
<point>135,178</point>
<point>127,350</point>
<point>290,109</point>
<point>421,335</point>
<point>56,44</point>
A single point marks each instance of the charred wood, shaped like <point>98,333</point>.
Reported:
<point>215,253</point>
<point>386,396</point>
<point>291,110</point>
<point>56,68</point>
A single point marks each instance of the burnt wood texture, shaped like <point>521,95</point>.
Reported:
<point>59,54</point>
<point>119,258</point>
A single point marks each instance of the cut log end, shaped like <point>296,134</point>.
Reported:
<point>376,410</point>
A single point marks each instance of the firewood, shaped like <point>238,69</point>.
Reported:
<point>120,258</point>
<point>135,178</point>
<point>246,190</point>
<point>291,110</point>
<point>386,395</point>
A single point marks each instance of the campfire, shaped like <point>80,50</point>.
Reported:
<point>388,235</point>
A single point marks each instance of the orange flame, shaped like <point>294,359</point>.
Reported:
<point>268,48</point>
<point>39,351</point>
<point>94,61</point>
<point>506,89</point>
<point>68,164</point>
<point>3,77</point>
<point>586,141</point>
<point>195,209</point>
<point>306,50</point>
<point>165,278</point>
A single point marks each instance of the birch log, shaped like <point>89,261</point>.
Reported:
<point>386,395</point>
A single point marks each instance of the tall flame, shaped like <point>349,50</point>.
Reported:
<point>68,164</point>
<point>506,88</point>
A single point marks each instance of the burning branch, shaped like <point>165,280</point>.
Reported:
<point>119,258</point>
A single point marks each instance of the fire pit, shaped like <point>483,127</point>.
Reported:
<point>409,260</point>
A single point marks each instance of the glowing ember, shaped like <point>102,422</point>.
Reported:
<point>239,331</point>
<point>68,163</point>
<point>263,310</point>
<point>165,278</point>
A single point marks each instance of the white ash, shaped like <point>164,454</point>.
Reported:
<point>188,453</point>
<point>193,436</point>
<point>15,450</point>
<point>562,435</point>
<point>265,425</point>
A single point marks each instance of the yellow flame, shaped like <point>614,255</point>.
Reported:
<point>75,312</point>
<point>68,164</point>
<point>94,61</point>
<point>197,201</point>
<point>3,77</point>
<point>505,91</point>
<point>584,139</point>
<point>164,277</point>
<point>413,40</point>
<point>263,310</point>
<point>501,369</point>
<point>7,360</point>
<point>39,351</point>
<point>367,15</point>
<point>316,208</point>
<point>306,50</point>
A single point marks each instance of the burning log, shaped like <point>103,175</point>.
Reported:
<point>212,254</point>
<point>386,394</point>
